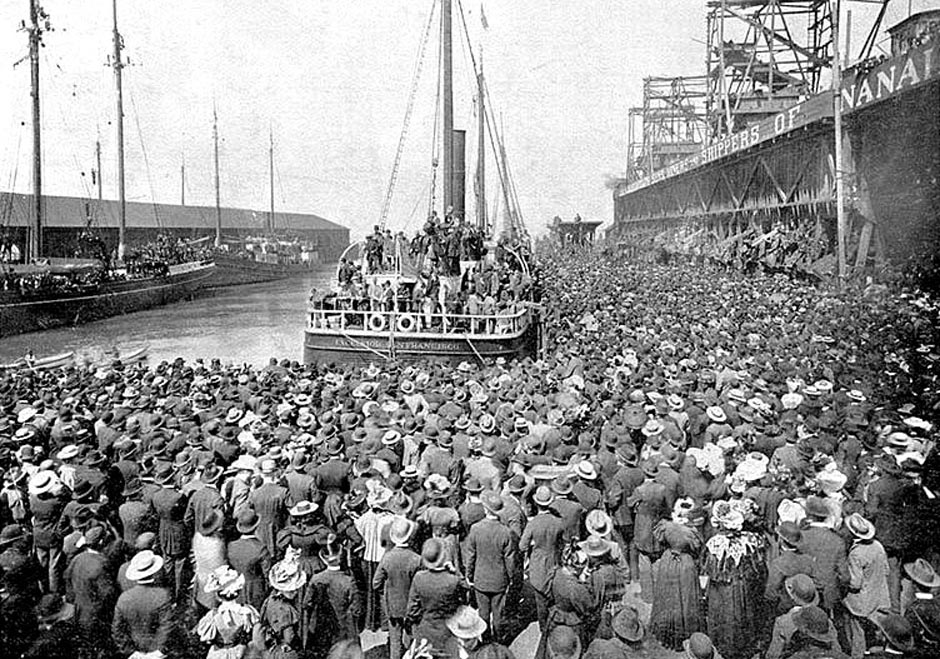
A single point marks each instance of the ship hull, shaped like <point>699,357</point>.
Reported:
<point>235,271</point>
<point>18,315</point>
<point>360,348</point>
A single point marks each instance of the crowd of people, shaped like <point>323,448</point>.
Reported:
<point>446,282</point>
<point>706,464</point>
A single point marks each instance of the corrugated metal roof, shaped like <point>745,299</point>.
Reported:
<point>73,211</point>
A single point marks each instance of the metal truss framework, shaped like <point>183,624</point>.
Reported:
<point>763,55</point>
<point>670,125</point>
<point>794,176</point>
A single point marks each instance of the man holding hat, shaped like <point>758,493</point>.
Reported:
<point>490,562</point>
<point>393,579</point>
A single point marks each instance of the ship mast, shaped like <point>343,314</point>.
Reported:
<point>481,151</point>
<point>118,83</point>
<point>34,248</point>
<point>448,103</point>
<point>271,170</point>
<point>218,198</point>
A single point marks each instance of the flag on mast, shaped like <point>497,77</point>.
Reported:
<point>486,23</point>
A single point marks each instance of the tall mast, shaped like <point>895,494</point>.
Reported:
<point>481,151</point>
<point>118,83</point>
<point>98,165</point>
<point>183,182</point>
<point>34,248</point>
<point>271,170</point>
<point>218,197</point>
<point>448,93</point>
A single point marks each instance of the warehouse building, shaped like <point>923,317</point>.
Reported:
<point>67,217</point>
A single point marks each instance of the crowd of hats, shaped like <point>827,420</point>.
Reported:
<point>644,362</point>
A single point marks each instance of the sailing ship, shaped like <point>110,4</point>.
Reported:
<point>52,292</point>
<point>361,331</point>
<point>253,260</point>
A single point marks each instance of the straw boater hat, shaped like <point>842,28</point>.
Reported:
<point>716,414</point>
<point>922,573</point>
<point>585,470</point>
<point>303,508</point>
<point>543,496</point>
<point>860,527</point>
<point>143,567</point>
<point>466,623</point>
<point>43,482</point>
<point>595,546</point>
<point>401,530</point>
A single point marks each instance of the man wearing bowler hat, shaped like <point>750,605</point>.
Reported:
<point>393,579</point>
<point>490,562</point>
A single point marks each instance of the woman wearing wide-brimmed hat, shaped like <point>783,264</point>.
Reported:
<point>735,567</point>
<point>230,627</point>
<point>280,614</point>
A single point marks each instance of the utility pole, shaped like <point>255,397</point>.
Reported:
<point>218,197</point>
<point>34,247</point>
<point>837,113</point>
<point>448,93</point>
<point>118,83</point>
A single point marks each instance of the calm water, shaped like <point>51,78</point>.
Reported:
<point>238,324</point>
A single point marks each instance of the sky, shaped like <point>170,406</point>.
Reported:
<point>330,80</point>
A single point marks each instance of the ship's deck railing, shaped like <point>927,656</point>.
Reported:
<point>408,322</point>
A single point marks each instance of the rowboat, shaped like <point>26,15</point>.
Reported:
<point>41,364</point>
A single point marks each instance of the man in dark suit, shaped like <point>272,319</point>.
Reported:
<point>91,587</point>
<point>491,556</point>
<point>543,536</point>
<point>393,577</point>
<point>170,507</point>
<point>828,550</point>
<point>332,604</point>
<point>269,501</point>
<point>143,615</point>
<point>434,597</point>
<point>206,498</point>
<point>788,562</point>
<point>250,558</point>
